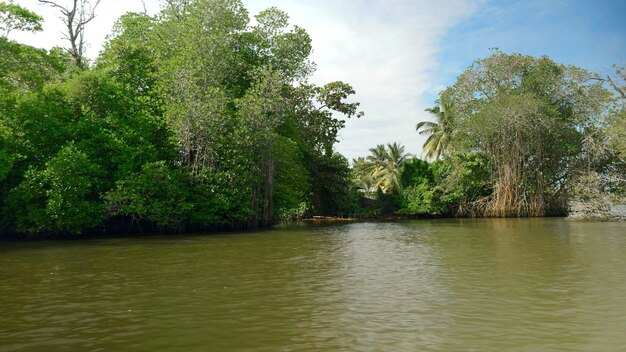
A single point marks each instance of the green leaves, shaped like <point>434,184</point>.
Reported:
<point>528,116</point>
<point>60,198</point>
<point>284,51</point>
<point>386,165</point>
<point>439,133</point>
<point>157,193</point>
<point>292,179</point>
<point>333,96</point>
<point>24,68</point>
<point>189,119</point>
<point>15,17</point>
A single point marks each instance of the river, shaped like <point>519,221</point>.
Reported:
<point>427,285</point>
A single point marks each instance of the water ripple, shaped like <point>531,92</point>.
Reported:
<point>444,285</point>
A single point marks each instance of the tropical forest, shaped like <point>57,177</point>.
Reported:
<point>180,125</point>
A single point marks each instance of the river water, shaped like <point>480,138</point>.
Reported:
<point>426,285</point>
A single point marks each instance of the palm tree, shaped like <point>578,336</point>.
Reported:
<point>377,157</point>
<point>360,167</point>
<point>439,132</point>
<point>362,177</point>
<point>387,164</point>
<point>366,185</point>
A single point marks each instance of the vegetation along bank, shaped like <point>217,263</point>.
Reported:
<point>195,118</point>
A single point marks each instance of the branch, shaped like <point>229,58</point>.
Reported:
<point>90,16</point>
<point>617,89</point>
<point>612,83</point>
<point>53,4</point>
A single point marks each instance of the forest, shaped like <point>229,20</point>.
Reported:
<point>515,136</point>
<point>199,118</point>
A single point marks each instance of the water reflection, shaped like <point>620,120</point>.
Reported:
<point>384,289</point>
<point>440,285</point>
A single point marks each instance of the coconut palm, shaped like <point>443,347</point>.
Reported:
<point>360,167</point>
<point>387,164</point>
<point>377,157</point>
<point>366,185</point>
<point>438,132</point>
<point>362,177</point>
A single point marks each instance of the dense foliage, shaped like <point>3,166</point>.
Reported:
<point>514,136</point>
<point>190,119</point>
<point>195,119</point>
<point>17,18</point>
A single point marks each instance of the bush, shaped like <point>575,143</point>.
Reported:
<point>61,198</point>
<point>156,194</point>
<point>418,199</point>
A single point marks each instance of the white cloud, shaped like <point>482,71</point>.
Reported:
<point>387,49</point>
<point>96,31</point>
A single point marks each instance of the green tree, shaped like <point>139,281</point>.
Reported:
<point>157,193</point>
<point>292,181</point>
<point>387,164</point>
<point>438,132</point>
<point>59,198</point>
<point>189,119</point>
<point>331,185</point>
<point>24,68</point>
<point>273,45</point>
<point>528,116</point>
<point>600,183</point>
<point>15,17</point>
<point>462,184</point>
<point>616,130</point>
<point>362,177</point>
<point>418,195</point>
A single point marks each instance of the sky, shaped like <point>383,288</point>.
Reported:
<point>399,54</point>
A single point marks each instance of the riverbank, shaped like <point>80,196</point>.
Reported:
<point>331,219</point>
<point>598,212</point>
<point>619,214</point>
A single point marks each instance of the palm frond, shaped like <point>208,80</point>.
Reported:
<point>428,125</point>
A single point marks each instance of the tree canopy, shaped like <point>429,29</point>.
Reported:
<point>193,118</point>
<point>516,135</point>
<point>17,18</point>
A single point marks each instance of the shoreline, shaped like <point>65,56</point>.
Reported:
<point>220,230</point>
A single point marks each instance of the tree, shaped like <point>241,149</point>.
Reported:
<point>312,121</point>
<point>157,193</point>
<point>377,158</point>
<point>528,116</point>
<point>261,110</point>
<point>15,17</point>
<point>59,198</point>
<point>600,184</point>
<point>365,184</point>
<point>438,132</point>
<point>312,113</point>
<point>331,184</point>
<point>616,130</point>
<point>190,119</point>
<point>24,68</point>
<point>386,165</point>
<point>286,51</point>
<point>362,177</point>
<point>292,182</point>
<point>75,19</point>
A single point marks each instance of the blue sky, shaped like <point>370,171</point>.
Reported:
<point>588,34</point>
<point>398,54</point>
